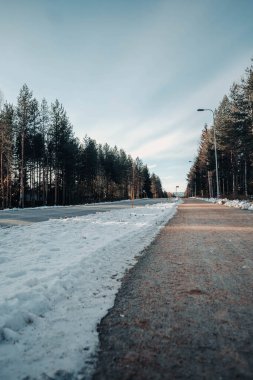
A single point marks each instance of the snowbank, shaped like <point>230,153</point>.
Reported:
<point>58,279</point>
<point>244,205</point>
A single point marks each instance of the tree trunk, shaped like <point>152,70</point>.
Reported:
<point>22,189</point>
<point>55,187</point>
<point>245,178</point>
<point>2,176</point>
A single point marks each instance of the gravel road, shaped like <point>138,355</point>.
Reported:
<point>185,311</point>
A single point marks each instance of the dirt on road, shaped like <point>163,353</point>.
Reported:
<point>185,311</point>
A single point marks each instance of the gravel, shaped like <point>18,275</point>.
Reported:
<point>185,311</point>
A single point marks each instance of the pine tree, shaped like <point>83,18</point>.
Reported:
<point>6,154</point>
<point>156,186</point>
<point>41,162</point>
<point>234,132</point>
<point>23,112</point>
<point>44,127</point>
<point>60,133</point>
<point>146,182</point>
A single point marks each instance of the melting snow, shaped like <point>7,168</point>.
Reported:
<point>58,279</point>
<point>244,205</point>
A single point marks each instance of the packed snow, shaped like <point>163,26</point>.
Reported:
<point>244,205</point>
<point>58,279</point>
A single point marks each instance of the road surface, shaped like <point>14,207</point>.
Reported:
<point>185,311</point>
<point>33,215</point>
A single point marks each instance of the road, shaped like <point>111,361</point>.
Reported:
<point>34,215</point>
<point>185,311</point>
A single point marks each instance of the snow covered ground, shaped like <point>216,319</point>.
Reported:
<point>58,279</point>
<point>244,205</point>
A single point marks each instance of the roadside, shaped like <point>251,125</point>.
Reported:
<point>58,279</point>
<point>185,311</point>
<point>242,204</point>
<point>28,216</point>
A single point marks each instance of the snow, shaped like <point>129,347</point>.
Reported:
<point>58,279</point>
<point>244,205</point>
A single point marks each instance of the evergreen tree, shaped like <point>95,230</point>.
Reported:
<point>44,128</point>
<point>23,113</point>
<point>41,162</point>
<point>146,182</point>
<point>156,187</point>
<point>234,132</point>
<point>89,168</point>
<point>59,134</point>
<point>6,154</point>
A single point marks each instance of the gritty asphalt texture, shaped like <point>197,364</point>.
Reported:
<point>185,310</point>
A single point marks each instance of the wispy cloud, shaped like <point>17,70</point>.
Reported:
<point>130,75</point>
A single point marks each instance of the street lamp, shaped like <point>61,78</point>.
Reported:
<point>215,150</point>
<point>176,190</point>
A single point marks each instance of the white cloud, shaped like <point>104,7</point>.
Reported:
<point>152,166</point>
<point>131,77</point>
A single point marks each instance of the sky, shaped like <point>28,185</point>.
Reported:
<point>131,73</point>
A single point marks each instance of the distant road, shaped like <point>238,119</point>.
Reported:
<point>34,215</point>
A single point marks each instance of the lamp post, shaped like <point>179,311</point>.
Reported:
<point>176,190</point>
<point>215,150</point>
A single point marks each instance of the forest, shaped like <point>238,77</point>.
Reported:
<point>43,163</point>
<point>233,132</point>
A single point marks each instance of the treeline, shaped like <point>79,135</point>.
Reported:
<point>233,122</point>
<point>43,163</point>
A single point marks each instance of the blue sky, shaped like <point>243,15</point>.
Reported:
<point>130,73</point>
